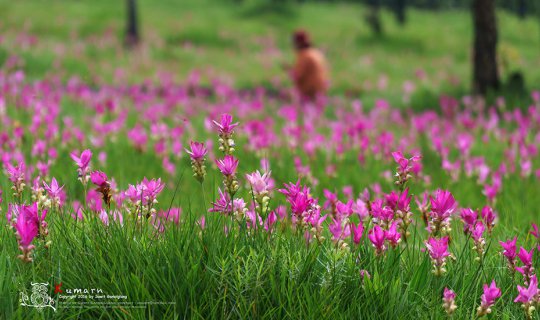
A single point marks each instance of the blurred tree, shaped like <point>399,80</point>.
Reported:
<point>373,18</point>
<point>485,72</point>
<point>132,28</point>
<point>522,9</point>
<point>399,10</point>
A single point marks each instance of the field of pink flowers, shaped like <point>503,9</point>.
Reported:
<point>198,198</point>
<point>194,198</point>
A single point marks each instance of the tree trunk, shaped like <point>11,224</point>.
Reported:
<point>522,9</point>
<point>373,17</point>
<point>132,27</point>
<point>485,73</point>
<point>399,8</point>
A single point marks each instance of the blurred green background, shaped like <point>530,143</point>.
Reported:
<point>246,42</point>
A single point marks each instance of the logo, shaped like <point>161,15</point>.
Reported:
<point>39,298</point>
<point>58,288</point>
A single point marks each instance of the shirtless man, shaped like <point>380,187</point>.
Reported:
<point>309,72</point>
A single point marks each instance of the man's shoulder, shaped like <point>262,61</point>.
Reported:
<point>312,54</point>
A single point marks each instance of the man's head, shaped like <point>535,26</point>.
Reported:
<point>301,40</point>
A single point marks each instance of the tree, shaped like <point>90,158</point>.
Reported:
<point>373,17</point>
<point>399,10</point>
<point>485,72</point>
<point>522,9</point>
<point>132,28</point>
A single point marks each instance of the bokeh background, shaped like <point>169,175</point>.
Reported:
<point>245,42</point>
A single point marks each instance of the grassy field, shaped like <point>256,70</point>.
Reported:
<point>214,36</point>
<point>67,84</point>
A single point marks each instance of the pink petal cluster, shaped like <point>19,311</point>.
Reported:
<point>449,301</point>
<point>227,166</point>
<point>197,151</point>
<point>438,252</point>
<point>225,126</point>
<point>488,298</point>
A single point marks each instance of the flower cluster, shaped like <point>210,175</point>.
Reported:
<point>438,252</point>
<point>404,169</point>
<point>226,130</point>
<point>83,165</point>
<point>488,298</point>
<point>227,166</point>
<point>197,153</point>
<point>449,301</point>
<point>99,179</point>
<point>29,224</point>
<point>443,205</point>
<point>510,253</point>
<point>16,175</point>
<point>260,190</point>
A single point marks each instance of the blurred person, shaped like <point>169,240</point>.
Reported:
<point>309,72</point>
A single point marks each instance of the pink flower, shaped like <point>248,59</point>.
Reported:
<point>343,210</point>
<point>443,205</point>
<point>27,229</point>
<point>82,161</point>
<point>491,293</point>
<point>53,189</point>
<point>528,295</point>
<point>438,249</point>
<point>270,222</point>
<point>449,294</point>
<point>392,235</point>
<point>509,249</point>
<point>227,165</point>
<point>478,231</point>
<point>138,137</point>
<point>535,231</point>
<point>489,217</point>
<point>404,163</point>
<point>303,205</point>
<point>357,231</point>
<point>172,214</point>
<point>133,193</point>
<point>223,204</point>
<point>198,151</point>
<point>404,201</point>
<point>150,190</point>
<point>316,220</point>
<point>338,231</point>
<point>16,174</point>
<point>225,126</point>
<point>202,222</point>
<point>98,178</point>
<point>12,212</point>
<point>253,219</point>
<point>28,225</point>
<point>331,199</point>
<point>525,256</point>
<point>160,218</point>
<point>405,167</point>
<point>93,200</point>
<point>377,236</point>
<point>380,212</point>
<point>259,183</point>
<point>281,212</point>
<point>449,303</point>
<point>442,208</point>
<point>117,217</point>
<point>78,212</point>
<point>469,218</point>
